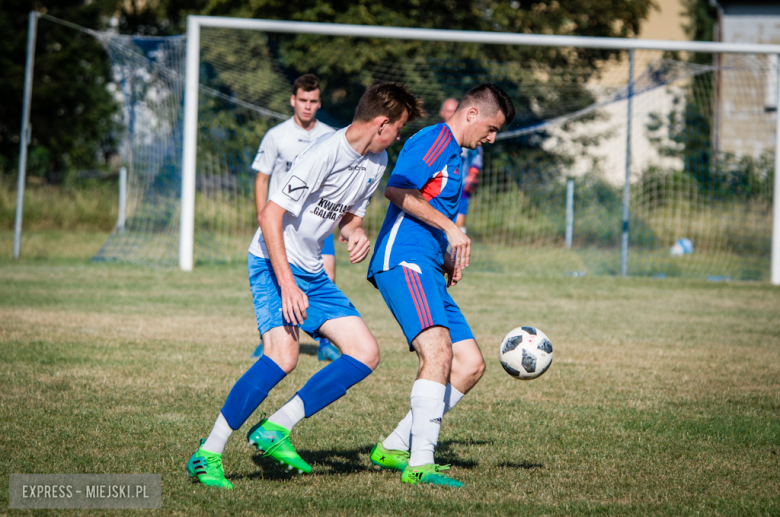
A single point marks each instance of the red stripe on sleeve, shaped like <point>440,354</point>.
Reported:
<point>436,155</point>
<point>436,143</point>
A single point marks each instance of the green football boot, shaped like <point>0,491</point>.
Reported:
<point>429,474</point>
<point>389,459</point>
<point>274,440</point>
<point>206,467</point>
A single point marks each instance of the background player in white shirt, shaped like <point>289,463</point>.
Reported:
<point>329,186</point>
<point>280,145</point>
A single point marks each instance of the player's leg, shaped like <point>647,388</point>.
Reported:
<point>280,358</point>
<point>413,294</point>
<point>467,368</point>
<point>360,357</point>
<point>434,350</point>
<point>332,315</point>
<point>252,388</point>
<point>326,351</point>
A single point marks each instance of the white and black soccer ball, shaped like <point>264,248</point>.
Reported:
<point>525,353</point>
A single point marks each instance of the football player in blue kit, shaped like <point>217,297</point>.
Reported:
<point>327,189</point>
<point>408,266</point>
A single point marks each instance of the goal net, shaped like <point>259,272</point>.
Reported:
<point>699,145</point>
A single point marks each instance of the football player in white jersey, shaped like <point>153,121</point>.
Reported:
<point>328,187</point>
<point>280,145</point>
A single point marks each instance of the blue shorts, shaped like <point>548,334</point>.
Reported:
<point>328,248</point>
<point>418,298</point>
<point>326,301</point>
<point>463,209</point>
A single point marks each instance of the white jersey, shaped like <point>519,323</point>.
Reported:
<point>325,181</point>
<point>280,145</point>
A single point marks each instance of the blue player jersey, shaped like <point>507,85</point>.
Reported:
<point>429,162</point>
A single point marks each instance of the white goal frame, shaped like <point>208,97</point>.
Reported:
<point>194,24</point>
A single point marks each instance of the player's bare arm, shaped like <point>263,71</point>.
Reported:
<point>353,233</point>
<point>261,192</point>
<point>412,202</point>
<point>294,301</point>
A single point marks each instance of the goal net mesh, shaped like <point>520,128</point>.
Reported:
<point>701,156</point>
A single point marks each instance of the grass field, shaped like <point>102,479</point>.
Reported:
<point>664,396</point>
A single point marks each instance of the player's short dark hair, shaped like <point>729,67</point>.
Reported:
<point>307,83</point>
<point>390,100</point>
<point>491,96</point>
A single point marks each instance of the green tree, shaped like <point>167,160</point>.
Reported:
<point>73,114</point>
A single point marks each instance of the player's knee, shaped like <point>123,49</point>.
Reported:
<point>479,369</point>
<point>368,355</point>
<point>469,364</point>
<point>287,362</point>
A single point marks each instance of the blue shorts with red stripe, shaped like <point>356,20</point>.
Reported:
<point>418,298</point>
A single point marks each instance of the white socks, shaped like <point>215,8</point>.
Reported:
<point>219,436</point>
<point>427,409</point>
<point>289,414</point>
<point>400,438</point>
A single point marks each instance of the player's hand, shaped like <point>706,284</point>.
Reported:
<point>454,274</point>
<point>294,304</point>
<point>358,246</point>
<point>461,247</point>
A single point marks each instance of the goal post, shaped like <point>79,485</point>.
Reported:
<point>195,23</point>
<point>604,171</point>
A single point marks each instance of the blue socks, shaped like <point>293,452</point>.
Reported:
<point>325,387</point>
<point>250,390</point>
<point>331,383</point>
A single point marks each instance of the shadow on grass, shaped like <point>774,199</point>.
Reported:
<point>307,349</point>
<point>336,461</point>
<point>344,461</point>
<point>526,465</point>
<point>445,456</point>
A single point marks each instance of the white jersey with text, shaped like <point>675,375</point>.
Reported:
<point>325,181</point>
<point>280,145</point>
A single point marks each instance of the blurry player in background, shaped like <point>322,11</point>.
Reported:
<point>280,145</point>
<point>471,163</point>
<point>327,189</point>
<point>410,260</point>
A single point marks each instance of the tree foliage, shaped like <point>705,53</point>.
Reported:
<point>72,113</point>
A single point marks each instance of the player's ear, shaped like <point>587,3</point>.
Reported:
<point>472,114</point>
<point>292,100</point>
<point>382,124</point>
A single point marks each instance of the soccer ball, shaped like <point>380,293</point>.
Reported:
<point>525,353</point>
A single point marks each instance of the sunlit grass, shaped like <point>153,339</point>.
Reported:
<point>664,396</point>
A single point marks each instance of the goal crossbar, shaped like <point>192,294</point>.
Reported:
<point>195,22</point>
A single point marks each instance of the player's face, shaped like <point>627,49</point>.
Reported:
<point>389,133</point>
<point>305,104</point>
<point>483,129</point>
